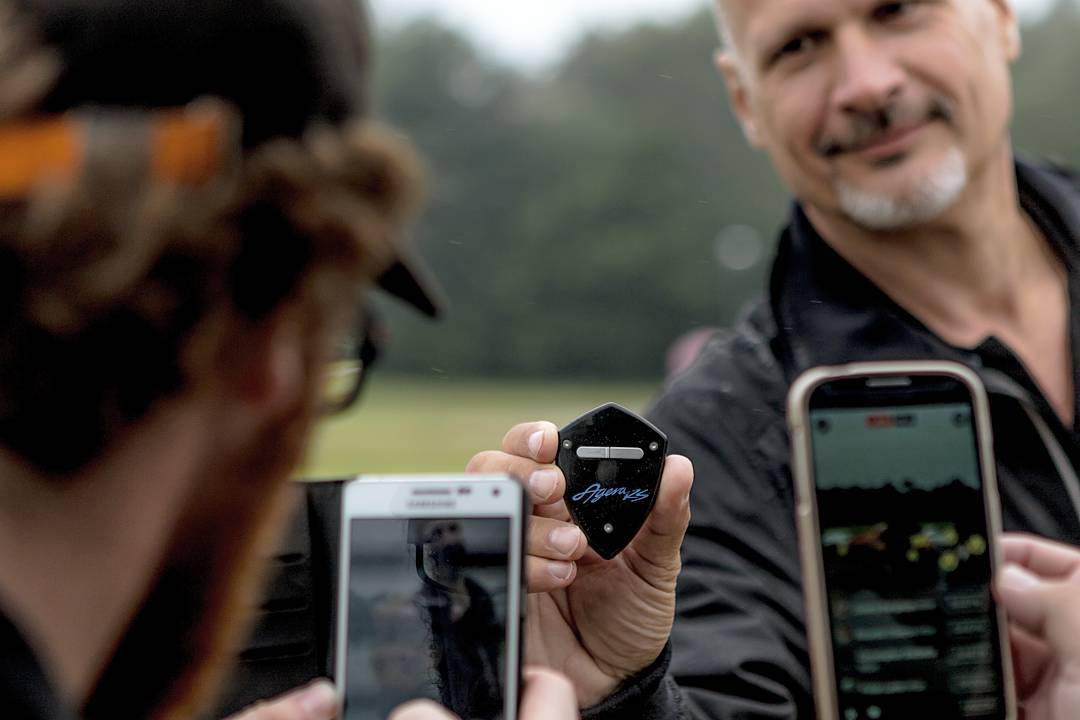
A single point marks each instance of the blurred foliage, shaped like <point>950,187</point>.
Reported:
<point>573,217</point>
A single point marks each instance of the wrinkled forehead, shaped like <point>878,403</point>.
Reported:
<point>748,26</point>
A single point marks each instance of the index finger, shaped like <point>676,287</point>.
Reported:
<point>536,440</point>
<point>1043,557</point>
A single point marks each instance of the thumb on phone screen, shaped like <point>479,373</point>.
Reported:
<point>548,696</point>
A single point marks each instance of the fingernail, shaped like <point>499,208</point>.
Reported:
<point>318,702</point>
<point>1016,578</point>
<point>542,483</point>
<point>564,539</point>
<point>535,441</point>
<point>561,571</point>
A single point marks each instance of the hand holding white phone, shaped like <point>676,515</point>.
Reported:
<point>547,696</point>
<point>430,594</point>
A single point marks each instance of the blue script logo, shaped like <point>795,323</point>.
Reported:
<point>595,493</point>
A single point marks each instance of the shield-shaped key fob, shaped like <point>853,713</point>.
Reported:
<point>612,460</point>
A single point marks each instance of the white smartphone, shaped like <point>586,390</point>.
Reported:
<point>898,519</point>
<point>430,600</point>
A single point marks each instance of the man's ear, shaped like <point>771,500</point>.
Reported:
<point>269,375</point>
<point>1010,28</point>
<point>728,67</point>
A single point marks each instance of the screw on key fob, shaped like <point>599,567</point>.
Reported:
<point>612,460</point>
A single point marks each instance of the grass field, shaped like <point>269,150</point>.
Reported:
<point>404,425</point>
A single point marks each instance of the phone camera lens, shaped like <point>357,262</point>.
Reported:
<point>822,426</point>
<point>496,492</point>
<point>960,420</point>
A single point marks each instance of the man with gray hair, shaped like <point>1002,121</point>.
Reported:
<point>915,234</point>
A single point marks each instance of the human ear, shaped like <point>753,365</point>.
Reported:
<point>1009,28</point>
<point>730,69</point>
<point>269,374</point>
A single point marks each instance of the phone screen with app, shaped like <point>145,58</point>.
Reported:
<point>907,561</point>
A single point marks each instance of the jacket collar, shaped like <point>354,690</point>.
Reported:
<point>828,313</point>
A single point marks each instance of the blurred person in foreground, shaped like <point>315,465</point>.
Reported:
<point>192,205</point>
<point>915,234</point>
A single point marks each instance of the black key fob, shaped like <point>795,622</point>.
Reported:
<point>612,460</point>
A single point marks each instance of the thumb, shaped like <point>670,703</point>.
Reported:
<point>421,710</point>
<point>1047,609</point>
<point>548,696</point>
<point>659,541</point>
<point>315,701</point>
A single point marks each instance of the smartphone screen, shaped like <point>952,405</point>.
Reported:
<point>427,615</point>
<point>906,555</point>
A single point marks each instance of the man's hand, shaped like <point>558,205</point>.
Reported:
<point>597,621</point>
<point>315,701</point>
<point>1039,587</point>
<point>547,696</point>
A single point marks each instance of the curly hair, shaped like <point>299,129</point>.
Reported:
<point>118,288</point>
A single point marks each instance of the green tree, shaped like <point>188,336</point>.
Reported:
<point>574,217</point>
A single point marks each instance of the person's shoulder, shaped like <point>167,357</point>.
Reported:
<point>1062,169</point>
<point>1039,170</point>
<point>25,690</point>
<point>738,361</point>
<point>726,413</point>
<point>736,383</point>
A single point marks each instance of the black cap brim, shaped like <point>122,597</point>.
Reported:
<point>408,281</point>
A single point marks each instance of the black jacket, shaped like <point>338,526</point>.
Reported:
<point>739,646</point>
<point>293,637</point>
<point>26,692</point>
<point>738,649</point>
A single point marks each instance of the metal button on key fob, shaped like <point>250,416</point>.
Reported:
<point>612,460</point>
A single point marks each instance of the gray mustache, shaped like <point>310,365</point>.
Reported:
<point>869,127</point>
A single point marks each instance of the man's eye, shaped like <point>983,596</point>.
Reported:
<point>798,46</point>
<point>892,11</point>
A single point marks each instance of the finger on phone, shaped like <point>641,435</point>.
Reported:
<point>1031,658</point>
<point>548,696</point>
<point>1045,558</point>
<point>315,701</point>
<point>1049,610</point>
<point>659,541</point>
<point>553,540</point>
<point>545,575</point>
<point>536,440</point>
<point>421,710</point>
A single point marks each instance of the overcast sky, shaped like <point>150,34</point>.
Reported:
<point>534,33</point>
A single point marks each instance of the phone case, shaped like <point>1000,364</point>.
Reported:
<point>429,496</point>
<point>817,618</point>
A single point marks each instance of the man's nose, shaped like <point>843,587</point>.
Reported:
<point>868,77</point>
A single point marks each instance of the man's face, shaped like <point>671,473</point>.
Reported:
<point>880,111</point>
<point>444,548</point>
